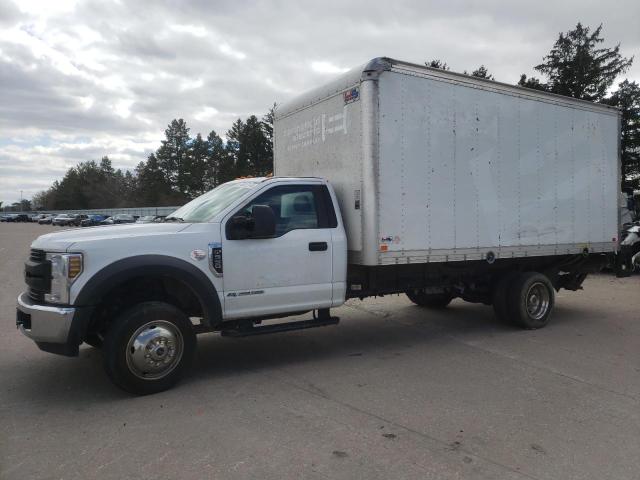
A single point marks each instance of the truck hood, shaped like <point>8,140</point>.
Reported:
<point>63,241</point>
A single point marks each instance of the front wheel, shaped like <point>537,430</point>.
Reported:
<point>429,300</point>
<point>93,339</point>
<point>148,348</point>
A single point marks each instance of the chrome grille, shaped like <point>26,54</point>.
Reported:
<point>38,275</point>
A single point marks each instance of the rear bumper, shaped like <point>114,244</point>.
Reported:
<point>54,329</point>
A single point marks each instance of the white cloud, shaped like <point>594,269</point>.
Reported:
<point>327,67</point>
<point>40,49</point>
<point>45,7</point>
<point>206,113</point>
<point>195,30</point>
<point>122,108</point>
<point>86,102</point>
<point>190,84</point>
<point>227,50</point>
<point>31,166</point>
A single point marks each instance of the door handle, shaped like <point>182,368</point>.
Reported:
<point>318,246</point>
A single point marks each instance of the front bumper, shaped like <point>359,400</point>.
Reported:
<point>54,329</point>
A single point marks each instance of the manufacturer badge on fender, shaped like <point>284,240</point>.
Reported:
<point>198,254</point>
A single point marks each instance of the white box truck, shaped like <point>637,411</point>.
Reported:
<point>393,179</point>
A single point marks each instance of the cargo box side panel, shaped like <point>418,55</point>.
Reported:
<point>467,170</point>
<point>325,140</point>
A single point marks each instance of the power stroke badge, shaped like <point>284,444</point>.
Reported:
<point>215,257</point>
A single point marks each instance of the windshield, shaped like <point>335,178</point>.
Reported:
<point>207,206</point>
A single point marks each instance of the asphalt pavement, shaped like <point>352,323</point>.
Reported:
<point>393,392</point>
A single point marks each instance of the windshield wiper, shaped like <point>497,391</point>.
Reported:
<point>174,219</point>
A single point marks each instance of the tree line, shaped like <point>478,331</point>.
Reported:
<point>183,167</point>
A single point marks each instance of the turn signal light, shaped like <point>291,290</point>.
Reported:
<point>75,266</point>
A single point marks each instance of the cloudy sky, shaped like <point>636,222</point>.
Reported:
<point>83,79</point>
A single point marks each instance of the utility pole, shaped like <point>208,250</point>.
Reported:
<point>21,200</point>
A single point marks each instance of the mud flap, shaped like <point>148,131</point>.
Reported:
<point>623,262</point>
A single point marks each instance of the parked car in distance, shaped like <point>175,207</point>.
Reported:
<point>39,216</point>
<point>61,219</point>
<point>150,219</point>
<point>92,220</point>
<point>3,218</point>
<point>46,219</point>
<point>78,218</point>
<point>119,218</point>
<point>68,219</point>
<point>17,217</point>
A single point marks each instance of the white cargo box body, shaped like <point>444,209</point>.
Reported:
<point>433,166</point>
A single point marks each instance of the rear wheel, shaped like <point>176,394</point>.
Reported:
<point>149,347</point>
<point>429,300</point>
<point>530,300</point>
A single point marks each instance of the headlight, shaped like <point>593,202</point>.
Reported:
<point>65,268</point>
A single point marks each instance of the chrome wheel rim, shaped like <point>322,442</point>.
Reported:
<point>538,300</point>
<point>154,350</point>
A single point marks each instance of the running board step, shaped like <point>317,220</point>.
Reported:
<point>280,327</point>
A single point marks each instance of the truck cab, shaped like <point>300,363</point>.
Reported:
<point>248,250</point>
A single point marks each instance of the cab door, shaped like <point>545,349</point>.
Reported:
<point>289,271</point>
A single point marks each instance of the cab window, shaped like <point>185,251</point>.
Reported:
<point>294,206</point>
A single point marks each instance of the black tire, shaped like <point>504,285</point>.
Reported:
<point>94,340</point>
<point>148,348</point>
<point>501,296</point>
<point>530,300</point>
<point>429,300</point>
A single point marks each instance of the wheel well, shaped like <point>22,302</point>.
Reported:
<point>143,289</point>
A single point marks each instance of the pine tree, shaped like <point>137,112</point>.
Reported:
<point>172,155</point>
<point>195,167</point>
<point>129,187</point>
<point>153,186</point>
<point>216,170</point>
<point>257,148</point>
<point>578,67</point>
<point>437,63</point>
<point>627,99</point>
<point>69,192</point>
<point>235,137</point>
<point>531,82</point>
<point>482,72</point>
<point>267,129</point>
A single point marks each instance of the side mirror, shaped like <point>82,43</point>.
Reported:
<point>264,222</point>
<point>260,224</point>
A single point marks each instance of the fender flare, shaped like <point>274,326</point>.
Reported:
<point>154,265</point>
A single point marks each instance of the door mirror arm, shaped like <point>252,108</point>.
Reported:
<point>239,227</point>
